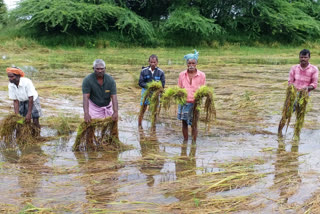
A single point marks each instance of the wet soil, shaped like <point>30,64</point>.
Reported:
<point>237,165</point>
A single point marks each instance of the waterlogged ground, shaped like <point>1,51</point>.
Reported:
<point>237,165</point>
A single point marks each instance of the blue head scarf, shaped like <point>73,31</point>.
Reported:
<point>192,56</point>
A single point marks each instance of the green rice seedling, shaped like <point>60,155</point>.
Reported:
<point>301,109</point>
<point>209,108</point>
<point>151,88</point>
<point>99,134</point>
<point>287,108</point>
<point>174,95</point>
<point>13,127</point>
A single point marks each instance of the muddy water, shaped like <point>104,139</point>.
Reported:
<point>51,176</point>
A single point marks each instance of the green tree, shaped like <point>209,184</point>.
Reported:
<point>188,26</point>
<point>3,13</point>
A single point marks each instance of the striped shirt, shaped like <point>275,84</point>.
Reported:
<point>302,78</point>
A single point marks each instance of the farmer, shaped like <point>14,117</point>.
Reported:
<point>190,79</point>
<point>99,94</point>
<point>148,74</point>
<point>25,98</point>
<point>304,76</point>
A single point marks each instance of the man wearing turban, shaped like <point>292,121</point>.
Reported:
<point>190,79</point>
<point>24,95</point>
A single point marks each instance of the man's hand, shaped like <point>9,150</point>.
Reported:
<point>308,88</point>
<point>115,116</point>
<point>87,118</point>
<point>28,117</point>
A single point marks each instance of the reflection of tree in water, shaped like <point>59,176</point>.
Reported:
<point>30,161</point>
<point>100,174</point>
<point>287,178</point>
<point>152,162</point>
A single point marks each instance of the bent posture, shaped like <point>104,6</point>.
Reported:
<point>25,98</point>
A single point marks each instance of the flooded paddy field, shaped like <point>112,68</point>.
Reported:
<point>237,165</point>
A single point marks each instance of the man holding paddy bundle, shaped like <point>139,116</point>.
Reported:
<point>25,98</point>
<point>99,94</point>
<point>304,76</point>
<point>190,79</point>
<point>149,74</point>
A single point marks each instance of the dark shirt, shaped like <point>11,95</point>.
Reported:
<point>99,94</point>
<point>146,76</point>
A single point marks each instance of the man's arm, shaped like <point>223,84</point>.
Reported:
<point>291,77</point>
<point>87,117</point>
<point>114,107</point>
<point>142,83</point>
<point>30,105</point>
<point>163,79</point>
<point>16,106</point>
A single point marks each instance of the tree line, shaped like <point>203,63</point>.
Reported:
<point>179,22</point>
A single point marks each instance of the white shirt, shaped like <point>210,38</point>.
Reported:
<point>23,91</point>
<point>152,71</point>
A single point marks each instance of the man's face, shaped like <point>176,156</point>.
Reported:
<point>99,70</point>
<point>13,78</point>
<point>192,64</point>
<point>153,63</point>
<point>304,60</point>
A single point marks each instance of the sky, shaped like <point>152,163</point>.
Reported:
<point>11,3</point>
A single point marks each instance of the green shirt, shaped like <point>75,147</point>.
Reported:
<point>99,94</point>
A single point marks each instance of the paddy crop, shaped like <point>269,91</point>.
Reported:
<point>239,165</point>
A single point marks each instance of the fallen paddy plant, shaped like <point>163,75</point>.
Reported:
<point>209,108</point>
<point>301,110</point>
<point>13,127</point>
<point>203,187</point>
<point>153,87</point>
<point>99,134</point>
<point>287,108</point>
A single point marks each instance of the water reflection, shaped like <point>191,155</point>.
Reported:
<point>186,164</point>
<point>287,178</point>
<point>99,174</point>
<point>152,161</point>
<point>30,161</point>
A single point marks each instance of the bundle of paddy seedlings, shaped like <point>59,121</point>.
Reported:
<point>99,134</point>
<point>151,95</point>
<point>155,105</point>
<point>209,108</point>
<point>15,128</point>
<point>174,95</point>
<point>301,110</point>
<point>287,108</point>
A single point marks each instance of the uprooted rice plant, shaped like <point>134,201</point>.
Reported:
<point>209,108</point>
<point>14,127</point>
<point>287,108</point>
<point>154,87</point>
<point>301,110</point>
<point>174,95</point>
<point>99,134</point>
<point>155,106</point>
